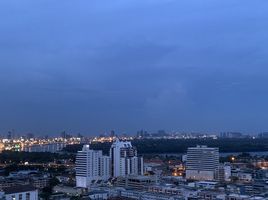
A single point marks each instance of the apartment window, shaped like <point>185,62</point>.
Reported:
<point>27,196</point>
<point>13,197</point>
<point>20,196</point>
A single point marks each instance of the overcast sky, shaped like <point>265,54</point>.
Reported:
<point>91,66</point>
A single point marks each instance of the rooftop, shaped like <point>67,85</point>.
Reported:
<point>19,189</point>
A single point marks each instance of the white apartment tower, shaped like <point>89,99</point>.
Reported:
<point>124,160</point>
<point>202,163</point>
<point>91,166</point>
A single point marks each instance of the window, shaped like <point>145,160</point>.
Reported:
<point>20,196</point>
<point>13,197</point>
<point>28,196</point>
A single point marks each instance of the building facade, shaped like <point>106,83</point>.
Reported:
<point>124,159</point>
<point>91,166</point>
<point>22,192</point>
<point>224,172</point>
<point>202,163</point>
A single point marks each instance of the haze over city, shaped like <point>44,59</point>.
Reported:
<point>94,66</point>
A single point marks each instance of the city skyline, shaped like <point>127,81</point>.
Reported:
<point>133,99</point>
<point>91,67</point>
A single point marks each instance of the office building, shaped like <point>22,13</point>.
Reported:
<point>124,159</point>
<point>91,166</point>
<point>202,163</point>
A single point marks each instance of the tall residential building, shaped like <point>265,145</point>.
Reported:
<point>202,163</point>
<point>91,166</point>
<point>124,159</point>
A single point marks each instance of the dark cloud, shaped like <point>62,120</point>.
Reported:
<point>92,66</point>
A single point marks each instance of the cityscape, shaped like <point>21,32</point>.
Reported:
<point>133,100</point>
<point>109,166</point>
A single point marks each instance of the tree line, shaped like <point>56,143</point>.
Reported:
<point>152,146</point>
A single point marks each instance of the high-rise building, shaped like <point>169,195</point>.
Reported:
<point>202,163</point>
<point>124,159</point>
<point>91,166</point>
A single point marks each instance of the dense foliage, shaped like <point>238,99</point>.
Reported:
<point>47,191</point>
<point>181,145</point>
<point>33,157</point>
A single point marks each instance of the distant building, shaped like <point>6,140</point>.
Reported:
<point>40,182</point>
<point>263,135</point>
<point>51,147</point>
<point>91,166</point>
<point>112,134</point>
<point>22,192</point>
<point>124,159</point>
<point>202,163</point>
<point>29,135</point>
<point>231,135</point>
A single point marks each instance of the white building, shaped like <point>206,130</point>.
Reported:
<point>224,172</point>
<point>245,177</point>
<point>227,172</point>
<point>211,185</point>
<point>21,192</point>
<point>124,159</point>
<point>91,166</point>
<point>51,147</point>
<point>202,163</point>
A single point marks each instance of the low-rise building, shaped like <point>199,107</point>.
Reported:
<point>40,182</point>
<point>70,191</point>
<point>98,195</point>
<point>245,177</point>
<point>206,184</point>
<point>22,192</point>
<point>136,182</point>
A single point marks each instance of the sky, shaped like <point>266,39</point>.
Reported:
<point>91,66</point>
